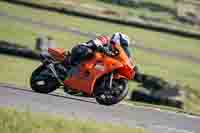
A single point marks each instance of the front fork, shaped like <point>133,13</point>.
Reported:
<point>52,68</point>
<point>47,61</point>
<point>110,79</point>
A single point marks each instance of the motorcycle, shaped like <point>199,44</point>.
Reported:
<point>100,76</point>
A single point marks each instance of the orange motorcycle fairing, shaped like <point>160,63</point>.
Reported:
<point>127,70</point>
<point>57,53</point>
<point>89,71</point>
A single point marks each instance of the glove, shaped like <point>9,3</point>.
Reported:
<point>105,50</point>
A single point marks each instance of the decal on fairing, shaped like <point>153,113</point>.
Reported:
<point>99,67</point>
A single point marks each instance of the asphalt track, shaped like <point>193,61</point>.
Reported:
<point>153,120</point>
<point>53,27</point>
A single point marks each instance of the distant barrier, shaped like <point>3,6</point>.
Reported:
<point>143,97</point>
<point>18,50</point>
<point>158,91</point>
<point>150,26</point>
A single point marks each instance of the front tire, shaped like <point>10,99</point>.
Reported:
<point>43,81</point>
<point>113,96</point>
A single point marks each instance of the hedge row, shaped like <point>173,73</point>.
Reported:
<point>142,24</point>
<point>146,81</point>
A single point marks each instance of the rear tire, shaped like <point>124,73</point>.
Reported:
<point>119,85</point>
<point>43,82</point>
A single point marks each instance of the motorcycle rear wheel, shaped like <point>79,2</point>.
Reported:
<point>105,96</point>
<point>43,82</point>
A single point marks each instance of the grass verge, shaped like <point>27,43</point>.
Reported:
<point>13,121</point>
<point>16,70</point>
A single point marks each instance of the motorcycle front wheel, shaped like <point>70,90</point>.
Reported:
<point>111,96</point>
<point>43,81</point>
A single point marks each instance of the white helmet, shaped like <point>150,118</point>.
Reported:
<point>119,38</point>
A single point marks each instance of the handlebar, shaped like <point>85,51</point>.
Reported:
<point>115,52</point>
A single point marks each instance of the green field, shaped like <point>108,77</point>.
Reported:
<point>25,122</point>
<point>147,38</point>
<point>173,70</point>
<point>156,11</point>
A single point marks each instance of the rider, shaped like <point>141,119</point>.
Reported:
<point>123,40</point>
<point>102,44</point>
